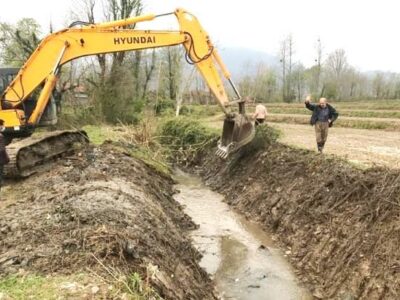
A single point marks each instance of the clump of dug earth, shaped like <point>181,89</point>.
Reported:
<point>102,209</point>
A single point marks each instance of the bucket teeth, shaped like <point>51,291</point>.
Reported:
<point>223,153</point>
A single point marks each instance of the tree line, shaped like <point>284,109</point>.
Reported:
<point>121,84</point>
<point>332,77</point>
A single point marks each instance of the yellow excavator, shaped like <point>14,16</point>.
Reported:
<point>83,39</point>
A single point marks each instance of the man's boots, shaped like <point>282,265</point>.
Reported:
<point>320,147</point>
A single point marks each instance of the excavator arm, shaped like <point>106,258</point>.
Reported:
<point>42,68</point>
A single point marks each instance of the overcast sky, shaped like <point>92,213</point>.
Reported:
<point>368,30</point>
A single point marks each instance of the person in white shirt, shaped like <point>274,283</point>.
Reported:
<point>260,114</point>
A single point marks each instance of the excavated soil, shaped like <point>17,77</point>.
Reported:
<point>101,208</point>
<point>340,225</point>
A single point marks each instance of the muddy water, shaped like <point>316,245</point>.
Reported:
<point>237,253</point>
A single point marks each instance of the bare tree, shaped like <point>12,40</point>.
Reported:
<point>183,87</point>
<point>318,66</point>
<point>378,85</point>
<point>112,10</point>
<point>149,67</point>
<point>299,80</point>
<point>336,65</point>
<point>17,42</point>
<point>337,62</point>
<point>122,9</point>
<point>283,60</point>
<point>174,65</point>
<point>289,92</point>
<point>286,58</point>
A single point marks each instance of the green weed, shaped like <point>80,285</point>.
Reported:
<point>34,287</point>
<point>99,133</point>
<point>184,133</point>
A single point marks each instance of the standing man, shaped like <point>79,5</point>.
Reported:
<point>4,159</point>
<point>260,114</point>
<point>322,118</point>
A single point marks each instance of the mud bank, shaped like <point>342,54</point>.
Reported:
<point>101,209</point>
<point>340,225</point>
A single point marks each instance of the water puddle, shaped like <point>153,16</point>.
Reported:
<point>237,253</point>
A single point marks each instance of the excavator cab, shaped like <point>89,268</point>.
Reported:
<point>49,117</point>
<point>6,76</point>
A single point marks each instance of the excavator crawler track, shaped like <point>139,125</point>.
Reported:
<point>28,155</point>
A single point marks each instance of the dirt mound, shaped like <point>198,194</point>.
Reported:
<point>102,206</point>
<point>340,224</point>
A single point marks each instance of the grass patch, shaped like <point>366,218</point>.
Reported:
<point>184,133</point>
<point>77,286</point>
<point>346,123</point>
<point>343,112</point>
<point>349,105</point>
<point>200,110</point>
<point>370,114</point>
<point>138,141</point>
<point>151,159</point>
<point>98,134</point>
<point>140,288</point>
<point>32,286</point>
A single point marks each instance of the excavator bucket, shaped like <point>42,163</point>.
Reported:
<point>237,132</point>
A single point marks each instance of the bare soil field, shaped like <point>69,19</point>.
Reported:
<point>364,147</point>
<point>361,146</point>
<point>102,212</point>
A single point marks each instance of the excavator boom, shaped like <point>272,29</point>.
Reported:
<point>42,68</point>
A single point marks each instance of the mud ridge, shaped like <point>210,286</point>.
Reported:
<point>339,225</point>
<point>101,205</point>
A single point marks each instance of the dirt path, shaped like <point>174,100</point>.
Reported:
<point>361,146</point>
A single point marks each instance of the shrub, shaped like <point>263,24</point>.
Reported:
<point>164,105</point>
<point>184,111</point>
<point>184,133</point>
<point>186,139</point>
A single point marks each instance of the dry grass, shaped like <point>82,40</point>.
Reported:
<point>343,112</point>
<point>358,123</point>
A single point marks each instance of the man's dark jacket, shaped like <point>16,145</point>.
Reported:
<point>315,108</point>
